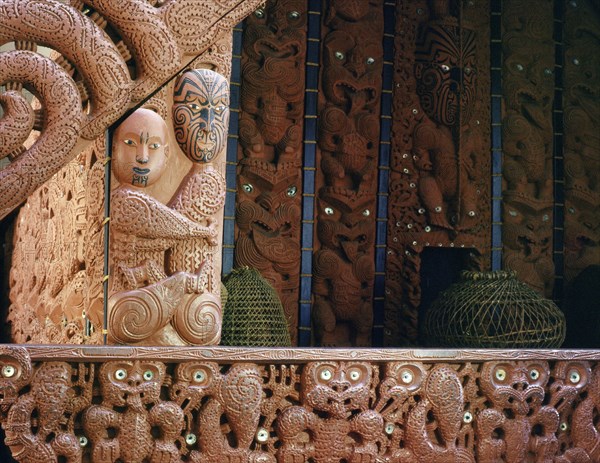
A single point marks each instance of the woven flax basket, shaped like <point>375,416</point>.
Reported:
<point>253,315</point>
<point>493,309</point>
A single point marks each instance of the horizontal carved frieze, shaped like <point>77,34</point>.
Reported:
<point>134,404</point>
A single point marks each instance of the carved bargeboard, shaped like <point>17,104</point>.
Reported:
<point>439,178</point>
<point>236,405</point>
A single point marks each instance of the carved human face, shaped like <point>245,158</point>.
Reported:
<point>337,388</point>
<point>131,383</point>
<point>140,149</point>
<point>201,114</point>
<point>445,72</point>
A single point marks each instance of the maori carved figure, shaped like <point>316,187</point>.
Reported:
<point>516,393</point>
<point>269,179</point>
<point>15,373</point>
<point>335,414</point>
<point>52,400</point>
<point>446,71</point>
<point>444,400</point>
<point>343,269</point>
<point>201,117</point>
<point>527,236</point>
<point>584,431</point>
<point>343,266</point>
<point>581,143</point>
<point>236,396</point>
<point>570,380</point>
<point>120,428</point>
<point>154,40</point>
<point>144,299</point>
<point>528,88</point>
<point>439,185</point>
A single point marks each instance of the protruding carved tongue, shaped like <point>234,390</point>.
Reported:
<point>350,247</point>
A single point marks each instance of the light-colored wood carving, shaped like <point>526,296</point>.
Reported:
<point>56,281</point>
<point>89,86</point>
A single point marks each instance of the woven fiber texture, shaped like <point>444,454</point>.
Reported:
<point>253,315</point>
<point>493,309</point>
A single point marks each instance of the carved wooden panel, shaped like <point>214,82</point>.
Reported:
<point>269,185</point>
<point>60,232</point>
<point>90,86</point>
<point>528,89</point>
<point>439,179</point>
<point>581,143</point>
<point>282,405</point>
<point>346,180</point>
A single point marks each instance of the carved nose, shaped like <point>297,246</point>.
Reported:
<point>142,156</point>
<point>266,202</point>
<point>134,380</point>
<point>339,386</point>
<point>206,120</point>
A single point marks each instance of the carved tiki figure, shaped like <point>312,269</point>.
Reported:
<point>201,118</point>
<point>147,305</point>
<point>334,413</point>
<point>445,70</point>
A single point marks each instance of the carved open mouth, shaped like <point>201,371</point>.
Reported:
<point>268,230</point>
<point>266,47</point>
<point>345,88</point>
<point>140,171</point>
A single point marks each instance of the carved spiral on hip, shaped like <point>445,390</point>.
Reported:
<point>135,315</point>
<point>199,321</point>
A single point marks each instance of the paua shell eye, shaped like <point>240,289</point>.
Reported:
<point>247,187</point>
<point>199,376</point>
<point>328,210</point>
<point>339,55</point>
<point>534,374</point>
<point>260,13</point>
<point>120,374</point>
<point>500,374</point>
<point>326,374</point>
<point>293,15</point>
<point>148,375</point>
<point>355,374</point>
<point>406,377</point>
<point>8,371</point>
<point>291,191</point>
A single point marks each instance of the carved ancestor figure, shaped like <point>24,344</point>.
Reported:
<point>343,270</point>
<point>121,428</point>
<point>445,69</point>
<point>235,396</point>
<point>40,425</point>
<point>516,394</point>
<point>335,414</point>
<point>201,118</point>
<point>144,300</point>
<point>269,174</point>
<point>343,265</point>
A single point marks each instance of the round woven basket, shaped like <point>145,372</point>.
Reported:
<point>253,315</point>
<point>493,309</point>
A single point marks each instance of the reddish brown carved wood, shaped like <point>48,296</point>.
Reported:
<point>269,179</point>
<point>582,146</point>
<point>528,89</point>
<point>439,188</point>
<point>343,267</point>
<point>215,405</point>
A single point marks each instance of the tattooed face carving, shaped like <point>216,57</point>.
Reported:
<point>140,149</point>
<point>201,114</point>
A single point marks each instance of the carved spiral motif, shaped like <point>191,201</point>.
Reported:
<point>204,196</point>
<point>199,322</point>
<point>135,315</point>
<point>64,119</point>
